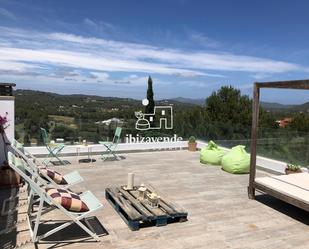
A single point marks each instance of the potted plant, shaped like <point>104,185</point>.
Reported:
<point>292,168</point>
<point>192,144</point>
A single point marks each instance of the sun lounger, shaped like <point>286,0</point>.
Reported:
<point>70,179</point>
<point>293,187</point>
<point>87,198</point>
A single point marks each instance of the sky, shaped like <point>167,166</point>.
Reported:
<point>189,48</point>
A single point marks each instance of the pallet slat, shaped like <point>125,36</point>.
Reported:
<point>144,211</point>
<point>119,203</point>
<point>170,207</point>
<point>137,214</point>
<point>155,211</point>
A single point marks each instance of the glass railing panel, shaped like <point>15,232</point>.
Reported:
<point>288,144</point>
<point>285,144</point>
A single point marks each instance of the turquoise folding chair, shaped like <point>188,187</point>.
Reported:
<point>53,148</point>
<point>111,146</point>
<point>71,178</point>
<point>93,204</point>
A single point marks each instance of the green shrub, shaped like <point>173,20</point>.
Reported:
<point>292,167</point>
<point>192,139</point>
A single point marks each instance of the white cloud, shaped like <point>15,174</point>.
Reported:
<point>87,61</point>
<point>181,59</point>
<point>203,40</point>
<point>7,14</point>
<point>89,22</point>
<point>99,76</point>
<point>26,51</point>
<point>100,27</point>
<point>260,76</point>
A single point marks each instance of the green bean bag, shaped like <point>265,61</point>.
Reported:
<point>211,154</point>
<point>236,161</point>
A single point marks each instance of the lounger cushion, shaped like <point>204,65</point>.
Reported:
<point>54,175</point>
<point>67,199</point>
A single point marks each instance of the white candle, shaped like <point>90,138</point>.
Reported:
<point>130,181</point>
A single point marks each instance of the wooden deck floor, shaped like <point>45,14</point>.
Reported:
<point>220,213</point>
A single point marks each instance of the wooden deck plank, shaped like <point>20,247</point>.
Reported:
<point>220,213</point>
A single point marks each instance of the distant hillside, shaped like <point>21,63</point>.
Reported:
<point>285,108</point>
<point>47,98</point>
<point>303,107</point>
<point>272,105</point>
<point>72,105</point>
<point>76,116</point>
<point>53,100</point>
<point>200,102</point>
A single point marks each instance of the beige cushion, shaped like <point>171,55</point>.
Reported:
<point>67,199</point>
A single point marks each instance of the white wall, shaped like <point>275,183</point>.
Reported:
<point>7,104</point>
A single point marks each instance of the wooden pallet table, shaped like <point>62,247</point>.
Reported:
<point>138,213</point>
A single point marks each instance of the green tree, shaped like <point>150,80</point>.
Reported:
<point>300,122</point>
<point>150,107</point>
<point>27,141</point>
<point>34,120</point>
<point>17,136</point>
<point>229,114</point>
<point>62,131</point>
<point>228,105</point>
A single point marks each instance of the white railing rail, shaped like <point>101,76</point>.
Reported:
<point>122,147</point>
<point>262,162</point>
